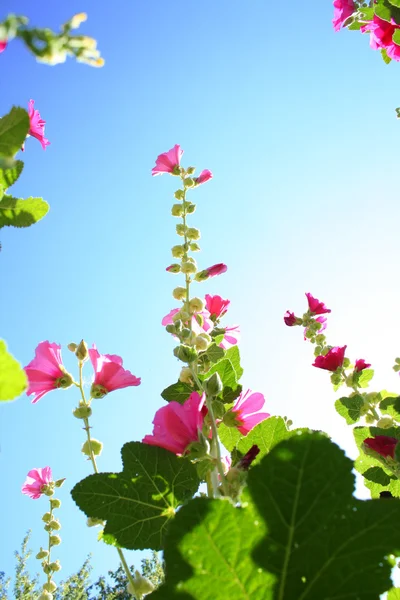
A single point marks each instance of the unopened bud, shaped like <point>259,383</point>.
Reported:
<point>81,352</point>
<point>186,334</point>
<point>193,234</point>
<point>179,194</point>
<point>213,385</point>
<point>196,305</point>
<point>200,343</point>
<point>218,409</point>
<point>46,596</point>
<point>194,247</point>
<point>55,503</point>
<point>190,170</point>
<point>370,419</point>
<point>55,566</point>
<point>170,328</point>
<point>94,522</point>
<point>47,489</point>
<point>46,517</point>
<point>179,293</point>
<point>47,569</point>
<point>181,229</point>
<point>186,354</point>
<point>50,586</point>
<point>142,585</point>
<point>177,210</point>
<point>42,554</point>
<point>77,20</point>
<point>55,540</point>
<point>188,268</point>
<point>186,375</point>
<point>93,446</point>
<point>202,275</point>
<point>184,316</point>
<point>175,268</point>
<point>188,182</point>
<point>60,482</point>
<point>385,423</point>
<point>54,524</point>
<point>190,208</point>
<point>83,411</point>
<point>72,347</point>
<point>178,251</point>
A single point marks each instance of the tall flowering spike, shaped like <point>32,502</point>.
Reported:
<point>332,360</point>
<point>168,162</point>
<point>343,9</point>
<point>36,127</point>
<point>109,374</point>
<point>176,425</point>
<point>204,176</point>
<point>290,319</point>
<point>361,365</point>
<point>381,36</point>
<point>382,444</point>
<point>216,306</point>
<point>247,412</point>
<point>315,306</point>
<point>46,371</point>
<point>3,46</point>
<point>36,482</point>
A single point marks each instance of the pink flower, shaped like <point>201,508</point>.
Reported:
<point>289,319</point>
<point>177,425</point>
<point>36,128</point>
<point>382,444</point>
<point>109,374</point>
<point>211,272</point>
<point>248,411</point>
<point>3,46</point>
<point>332,360</point>
<point>315,306</point>
<point>231,337</point>
<point>382,36</point>
<point>361,365</point>
<point>36,480</point>
<point>204,317</point>
<point>46,371</point>
<point>168,162</point>
<point>322,321</point>
<point>343,9</point>
<point>204,176</point>
<point>216,306</point>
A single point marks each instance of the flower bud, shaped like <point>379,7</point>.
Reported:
<point>170,328</point>
<point>179,194</point>
<point>72,347</point>
<point>46,517</point>
<point>186,333</point>
<point>83,411</point>
<point>54,524</point>
<point>81,352</point>
<point>184,316</point>
<point>178,251</point>
<point>369,419</point>
<point>55,540</point>
<point>385,423</point>
<point>181,229</point>
<point>194,247</point>
<point>55,503</point>
<point>188,267</point>
<point>60,482</point>
<point>92,446</point>
<point>177,210</point>
<point>186,375</point>
<point>190,170</point>
<point>55,566</point>
<point>179,293</point>
<point>98,391</point>
<point>77,19</point>
<point>142,585</point>
<point>175,268</point>
<point>213,385</point>
<point>46,596</point>
<point>94,522</point>
<point>50,586</point>
<point>186,354</point>
<point>190,208</point>
<point>46,568</point>
<point>188,182</point>
<point>193,234</point>
<point>42,554</point>
<point>196,305</point>
<point>200,343</point>
<point>47,489</point>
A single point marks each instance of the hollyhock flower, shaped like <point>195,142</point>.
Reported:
<point>217,269</point>
<point>343,9</point>
<point>36,480</point>
<point>246,460</point>
<point>231,337</point>
<point>382,444</point>
<point>177,425</point>
<point>216,306</point>
<point>361,365</point>
<point>322,321</point>
<point>381,36</point>
<point>204,176</point>
<point>315,306</point>
<point>3,46</point>
<point>332,360</point>
<point>36,127</point>
<point>168,162</point>
<point>289,319</point>
<point>46,371</point>
<point>247,412</point>
<point>175,268</point>
<point>109,374</point>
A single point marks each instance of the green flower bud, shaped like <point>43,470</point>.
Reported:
<point>188,182</point>
<point>72,347</point>
<point>213,385</point>
<point>94,522</point>
<point>42,554</point>
<point>98,391</point>
<point>196,305</point>
<point>184,316</point>
<point>93,446</point>
<point>193,233</point>
<point>47,569</point>
<point>46,596</point>
<point>186,375</point>
<point>83,411</point>
<point>178,251</point>
<point>170,328</point>
<point>54,524</point>
<point>47,527</point>
<point>81,352</point>
<point>370,419</point>
<point>179,194</point>
<point>177,210</point>
<point>60,482</point>
<point>46,517</point>
<point>200,343</point>
<point>175,268</point>
<point>55,503</point>
<point>55,566</point>
<point>194,247</point>
<point>218,409</point>
<point>179,293</point>
<point>190,208</point>
<point>50,586</point>
<point>190,170</point>
<point>186,354</point>
<point>186,334</point>
<point>55,540</point>
<point>346,362</point>
<point>385,423</point>
<point>181,229</point>
<point>202,275</point>
<point>47,490</point>
<point>188,267</point>
<point>178,325</point>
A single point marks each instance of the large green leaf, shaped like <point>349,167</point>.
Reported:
<point>178,392</point>
<point>13,379</point>
<point>215,353</point>
<point>14,128</point>
<point>387,10</point>
<point>226,371</point>
<point>351,408</point>
<point>234,356</point>
<point>391,406</point>
<point>139,502</point>
<point>364,377</point>
<point>394,594</point>
<point>377,478</point>
<point>15,212</point>
<point>9,175</point>
<point>299,535</point>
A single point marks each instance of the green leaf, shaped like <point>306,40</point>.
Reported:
<point>377,478</point>
<point>229,436</point>
<point>391,406</point>
<point>395,3</point>
<point>9,175</point>
<point>266,435</point>
<point>350,408</point>
<point>215,353</point>
<point>14,128</point>
<point>179,392</point>
<point>15,212</point>
<point>229,395</point>
<point>365,377</point>
<point>394,594</point>
<point>226,371</point>
<point>139,502</point>
<point>233,355</point>
<point>297,536</point>
<point>13,379</point>
<point>386,59</point>
<point>387,9</point>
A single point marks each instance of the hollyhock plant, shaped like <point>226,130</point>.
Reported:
<point>46,371</point>
<point>332,360</point>
<point>36,126</point>
<point>216,306</point>
<point>343,9</point>
<point>361,365</point>
<point>204,176</point>
<point>109,374</point>
<point>36,482</point>
<point>290,319</point>
<point>315,306</point>
<point>381,36</point>
<point>382,444</point>
<point>168,162</point>
<point>177,425</point>
<point>247,412</point>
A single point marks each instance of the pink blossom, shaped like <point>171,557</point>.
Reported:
<point>46,371</point>
<point>231,337</point>
<point>343,9</point>
<point>322,321</point>
<point>216,306</point>
<point>109,374</point>
<point>3,46</point>
<point>290,318</point>
<point>248,411</point>
<point>36,480</point>
<point>36,127</point>
<point>177,425</point>
<point>383,445</point>
<point>315,306</point>
<point>168,161</point>
<point>204,176</point>
<point>381,36</point>
<point>332,360</point>
<point>175,268</point>
<point>361,365</point>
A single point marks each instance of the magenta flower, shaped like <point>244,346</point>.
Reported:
<point>204,176</point>
<point>382,444</point>
<point>177,425</point>
<point>231,337</point>
<point>36,480</point>
<point>168,162</point>
<point>3,46</point>
<point>343,9</point>
<point>332,360</point>
<point>109,374</point>
<point>211,272</point>
<point>315,306</point>
<point>216,306</point>
<point>36,127</point>
<point>381,36</point>
<point>322,321</point>
<point>248,411</point>
<point>46,371</point>
<point>361,365</point>
<point>290,319</point>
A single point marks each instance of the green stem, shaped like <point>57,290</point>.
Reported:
<point>185,256</point>
<point>216,450</point>
<point>126,568</point>
<point>49,546</point>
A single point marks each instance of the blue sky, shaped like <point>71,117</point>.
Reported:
<point>297,124</point>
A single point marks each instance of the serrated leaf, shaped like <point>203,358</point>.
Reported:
<point>179,392</point>
<point>9,175</point>
<point>391,406</point>
<point>298,536</point>
<point>377,478</point>
<point>215,353</point>
<point>233,355</point>
<point>266,435</point>
<point>229,395</point>
<point>14,128</point>
<point>139,502</point>
<point>229,436</point>
<point>350,408</point>
<point>15,212</point>
<point>365,377</point>
<point>13,381</point>
<point>226,371</point>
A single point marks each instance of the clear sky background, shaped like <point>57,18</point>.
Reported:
<point>297,124</point>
